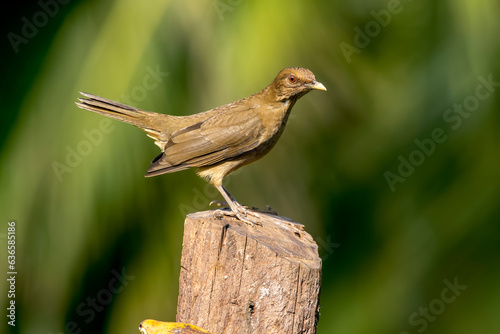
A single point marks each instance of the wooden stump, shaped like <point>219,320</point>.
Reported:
<point>236,278</point>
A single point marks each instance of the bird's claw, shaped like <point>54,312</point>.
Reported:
<point>218,203</point>
<point>241,213</point>
<point>244,212</point>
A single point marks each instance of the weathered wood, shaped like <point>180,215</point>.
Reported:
<point>236,278</point>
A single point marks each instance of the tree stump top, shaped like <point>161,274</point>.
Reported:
<point>280,235</point>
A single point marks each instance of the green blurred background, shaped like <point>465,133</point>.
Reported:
<point>397,218</point>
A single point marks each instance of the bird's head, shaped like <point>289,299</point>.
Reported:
<point>293,82</point>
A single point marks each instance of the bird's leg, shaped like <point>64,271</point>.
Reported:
<point>237,209</point>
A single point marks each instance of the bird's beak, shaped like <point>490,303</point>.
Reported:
<point>317,85</point>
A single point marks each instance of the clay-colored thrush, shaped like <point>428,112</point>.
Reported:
<point>220,140</point>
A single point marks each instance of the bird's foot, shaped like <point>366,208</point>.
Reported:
<point>239,211</point>
<point>244,216</point>
<point>243,212</point>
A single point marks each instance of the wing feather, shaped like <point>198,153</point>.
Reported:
<point>220,137</point>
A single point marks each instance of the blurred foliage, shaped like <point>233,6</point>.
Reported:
<point>387,253</point>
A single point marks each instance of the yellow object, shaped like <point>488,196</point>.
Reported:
<point>150,326</point>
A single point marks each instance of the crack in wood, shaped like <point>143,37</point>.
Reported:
<point>221,243</point>
<point>243,263</point>
<point>222,237</point>
<point>296,296</point>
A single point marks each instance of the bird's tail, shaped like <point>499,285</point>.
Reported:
<point>157,126</point>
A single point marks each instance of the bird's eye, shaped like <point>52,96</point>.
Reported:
<point>292,79</point>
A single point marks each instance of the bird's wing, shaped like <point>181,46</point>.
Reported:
<point>222,136</point>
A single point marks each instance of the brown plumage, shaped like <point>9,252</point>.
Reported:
<point>220,140</point>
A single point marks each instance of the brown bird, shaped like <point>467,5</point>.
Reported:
<point>220,140</point>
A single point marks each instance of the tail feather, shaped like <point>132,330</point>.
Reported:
<point>156,125</point>
<point>113,109</point>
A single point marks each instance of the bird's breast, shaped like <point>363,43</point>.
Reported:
<point>274,120</point>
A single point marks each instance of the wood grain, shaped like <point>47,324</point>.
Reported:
<point>236,278</point>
